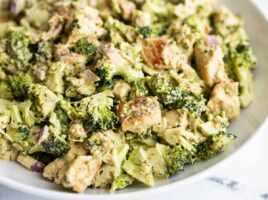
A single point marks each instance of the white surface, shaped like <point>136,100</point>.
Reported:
<point>243,178</point>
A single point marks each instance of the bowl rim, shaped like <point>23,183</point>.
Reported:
<point>46,193</point>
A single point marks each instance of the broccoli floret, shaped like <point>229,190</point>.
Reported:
<point>162,87</point>
<point>160,10</point>
<point>138,89</point>
<point>159,29</point>
<point>173,97</point>
<point>44,51</point>
<point>18,49</point>
<point>214,145</point>
<point>121,181</point>
<point>23,139</point>
<point>56,145</point>
<point>238,55</point>
<point>179,136</point>
<point>106,119</point>
<point>148,139</point>
<point>19,84</point>
<point>23,132</point>
<point>176,158</point>
<point>145,31</point>
<point>239,61</point>
<point>119,63</point>
<point>84,47</point>
<point>100,116</point>
<point>95,111</point>
<point>44,99</point>
<point>43,157</point>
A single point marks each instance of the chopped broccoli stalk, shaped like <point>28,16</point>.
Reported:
<point>137,166</point>
<point>5,90</point>
<point>214,145</point>
<point>119,31</point>
<point>54,124</point>
<point>18,135</point>
<point>3,75</point>
<point>27,114</point>
<point>84,47</point>
<point>56,145</point>
<point>55,80</point>
<point>16,119</point>
<point>63,118</point>
<point>173,97</point>
<point>138,89</point>
<point>72,109</point>
<point>18,49</point>
<point>19,84</point>
<point>4,112</point>
<point>145,31</point>
<point>121,181</point>
<point>157,160</point>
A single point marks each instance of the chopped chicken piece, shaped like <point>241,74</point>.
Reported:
<point>89,25</point>
<point>52,169</point>
<point>55,27</point>
<point>140,114</point>
<point>224,98</point>
<point>127,8</point>
<point>77,131</point>
<point>121,89</point>
<point>7,152</point>
<point>176,118</point>
<point>159,54</point>
<point>209,61</point>
<point>80,173</point>
<point>103,145</point>
<point>141,18</point>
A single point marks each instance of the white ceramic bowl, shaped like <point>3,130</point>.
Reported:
<point>18,178</point>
